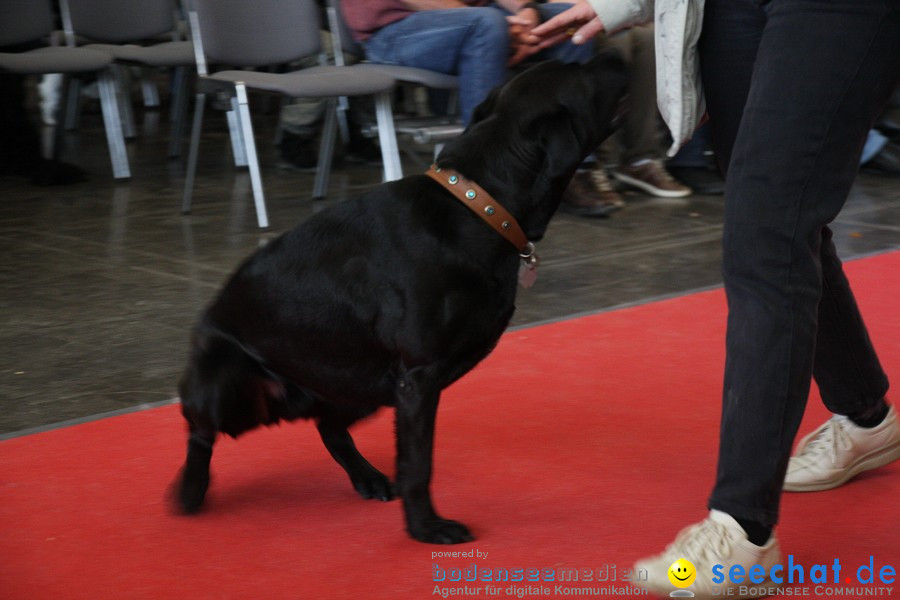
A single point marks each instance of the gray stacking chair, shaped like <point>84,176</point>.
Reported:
<point>268,33</point>
<point>141,33</point>
<point>429,130</point>
<point>30,22</point>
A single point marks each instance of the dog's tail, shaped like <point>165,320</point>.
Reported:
<point>226,387</point>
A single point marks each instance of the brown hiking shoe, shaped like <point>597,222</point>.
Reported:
<point>590,194</point>
<point>651,176</point>
<point>605,189</point>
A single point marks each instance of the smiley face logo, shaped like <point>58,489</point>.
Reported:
<point>682,573</point>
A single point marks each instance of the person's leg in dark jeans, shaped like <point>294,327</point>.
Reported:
<point>796,168</point>
<point>792,87</point>
<point>20,150</point>
<point>692,166</point>
<point>20,142</point>
<point>811,78</point>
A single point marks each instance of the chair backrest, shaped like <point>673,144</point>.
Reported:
<point>23,21</point>
<point>255,33</point>
<point>121,21</point>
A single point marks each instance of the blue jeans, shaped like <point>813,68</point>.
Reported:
<point>472,43</point>
<point>792,88</point>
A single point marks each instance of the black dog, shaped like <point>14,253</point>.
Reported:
<point>386,299</point>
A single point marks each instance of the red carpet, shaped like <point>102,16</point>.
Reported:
<point>586,444</point>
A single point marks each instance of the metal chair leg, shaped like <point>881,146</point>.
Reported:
<point>199,105</point>
<point>179,109</point>
<point>387,137</point>
<point>343,109</point>
<point>326,149</point>
<point>59,128</point>
<point>123,97</point>
<point>106,83</point>
<point>246,126</point>
<point>236,136</point>
<point>73,104</point>
<point>149,90</point>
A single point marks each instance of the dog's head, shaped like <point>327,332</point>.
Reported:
<point>527,138</point>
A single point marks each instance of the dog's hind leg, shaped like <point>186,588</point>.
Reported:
<point>195,476</point>
<point>417,401</point>
<point>224,389</point>
<point>366,479</point>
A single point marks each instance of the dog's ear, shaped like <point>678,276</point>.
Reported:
<point>486,106</point>
<point>559,140</point>
<point>561,144</point>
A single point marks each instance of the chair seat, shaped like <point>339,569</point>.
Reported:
<point>315,82</point>
<point>431,79</point>
<point>166,54</point>
<point>54,59</point>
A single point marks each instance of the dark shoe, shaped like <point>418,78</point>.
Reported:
<point>703,180</point>
<point>886,162</point>
<point>362,149</point>
<point>299,152</point>
<point>585,199</point>
<point>55,172</point>
<point>604,188</point>
<point>44,172</point>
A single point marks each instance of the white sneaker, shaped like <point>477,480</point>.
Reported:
<point>717,540</point>
<point>840,449</point>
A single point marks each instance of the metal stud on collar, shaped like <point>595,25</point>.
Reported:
<point>485,207</point>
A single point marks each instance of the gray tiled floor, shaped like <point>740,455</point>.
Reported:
<point>101,281</point>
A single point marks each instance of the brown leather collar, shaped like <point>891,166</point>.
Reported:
<point>482,204</point>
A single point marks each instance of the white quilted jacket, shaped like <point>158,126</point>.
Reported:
<point>677,29</point>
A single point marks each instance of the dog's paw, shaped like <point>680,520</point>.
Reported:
<point>441,531</point>
<point>374,486</point>
<point>191,493</point>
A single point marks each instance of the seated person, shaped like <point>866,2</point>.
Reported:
<point>476,39</point>
<point>21,154</point>
<point>635,150</point>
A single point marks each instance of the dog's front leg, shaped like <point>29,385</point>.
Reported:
<point>366,479</point>
<point>417,400</point>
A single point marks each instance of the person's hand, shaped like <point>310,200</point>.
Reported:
<point>580,23</point>
<point>522,43</point>
<point>526,19</point>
